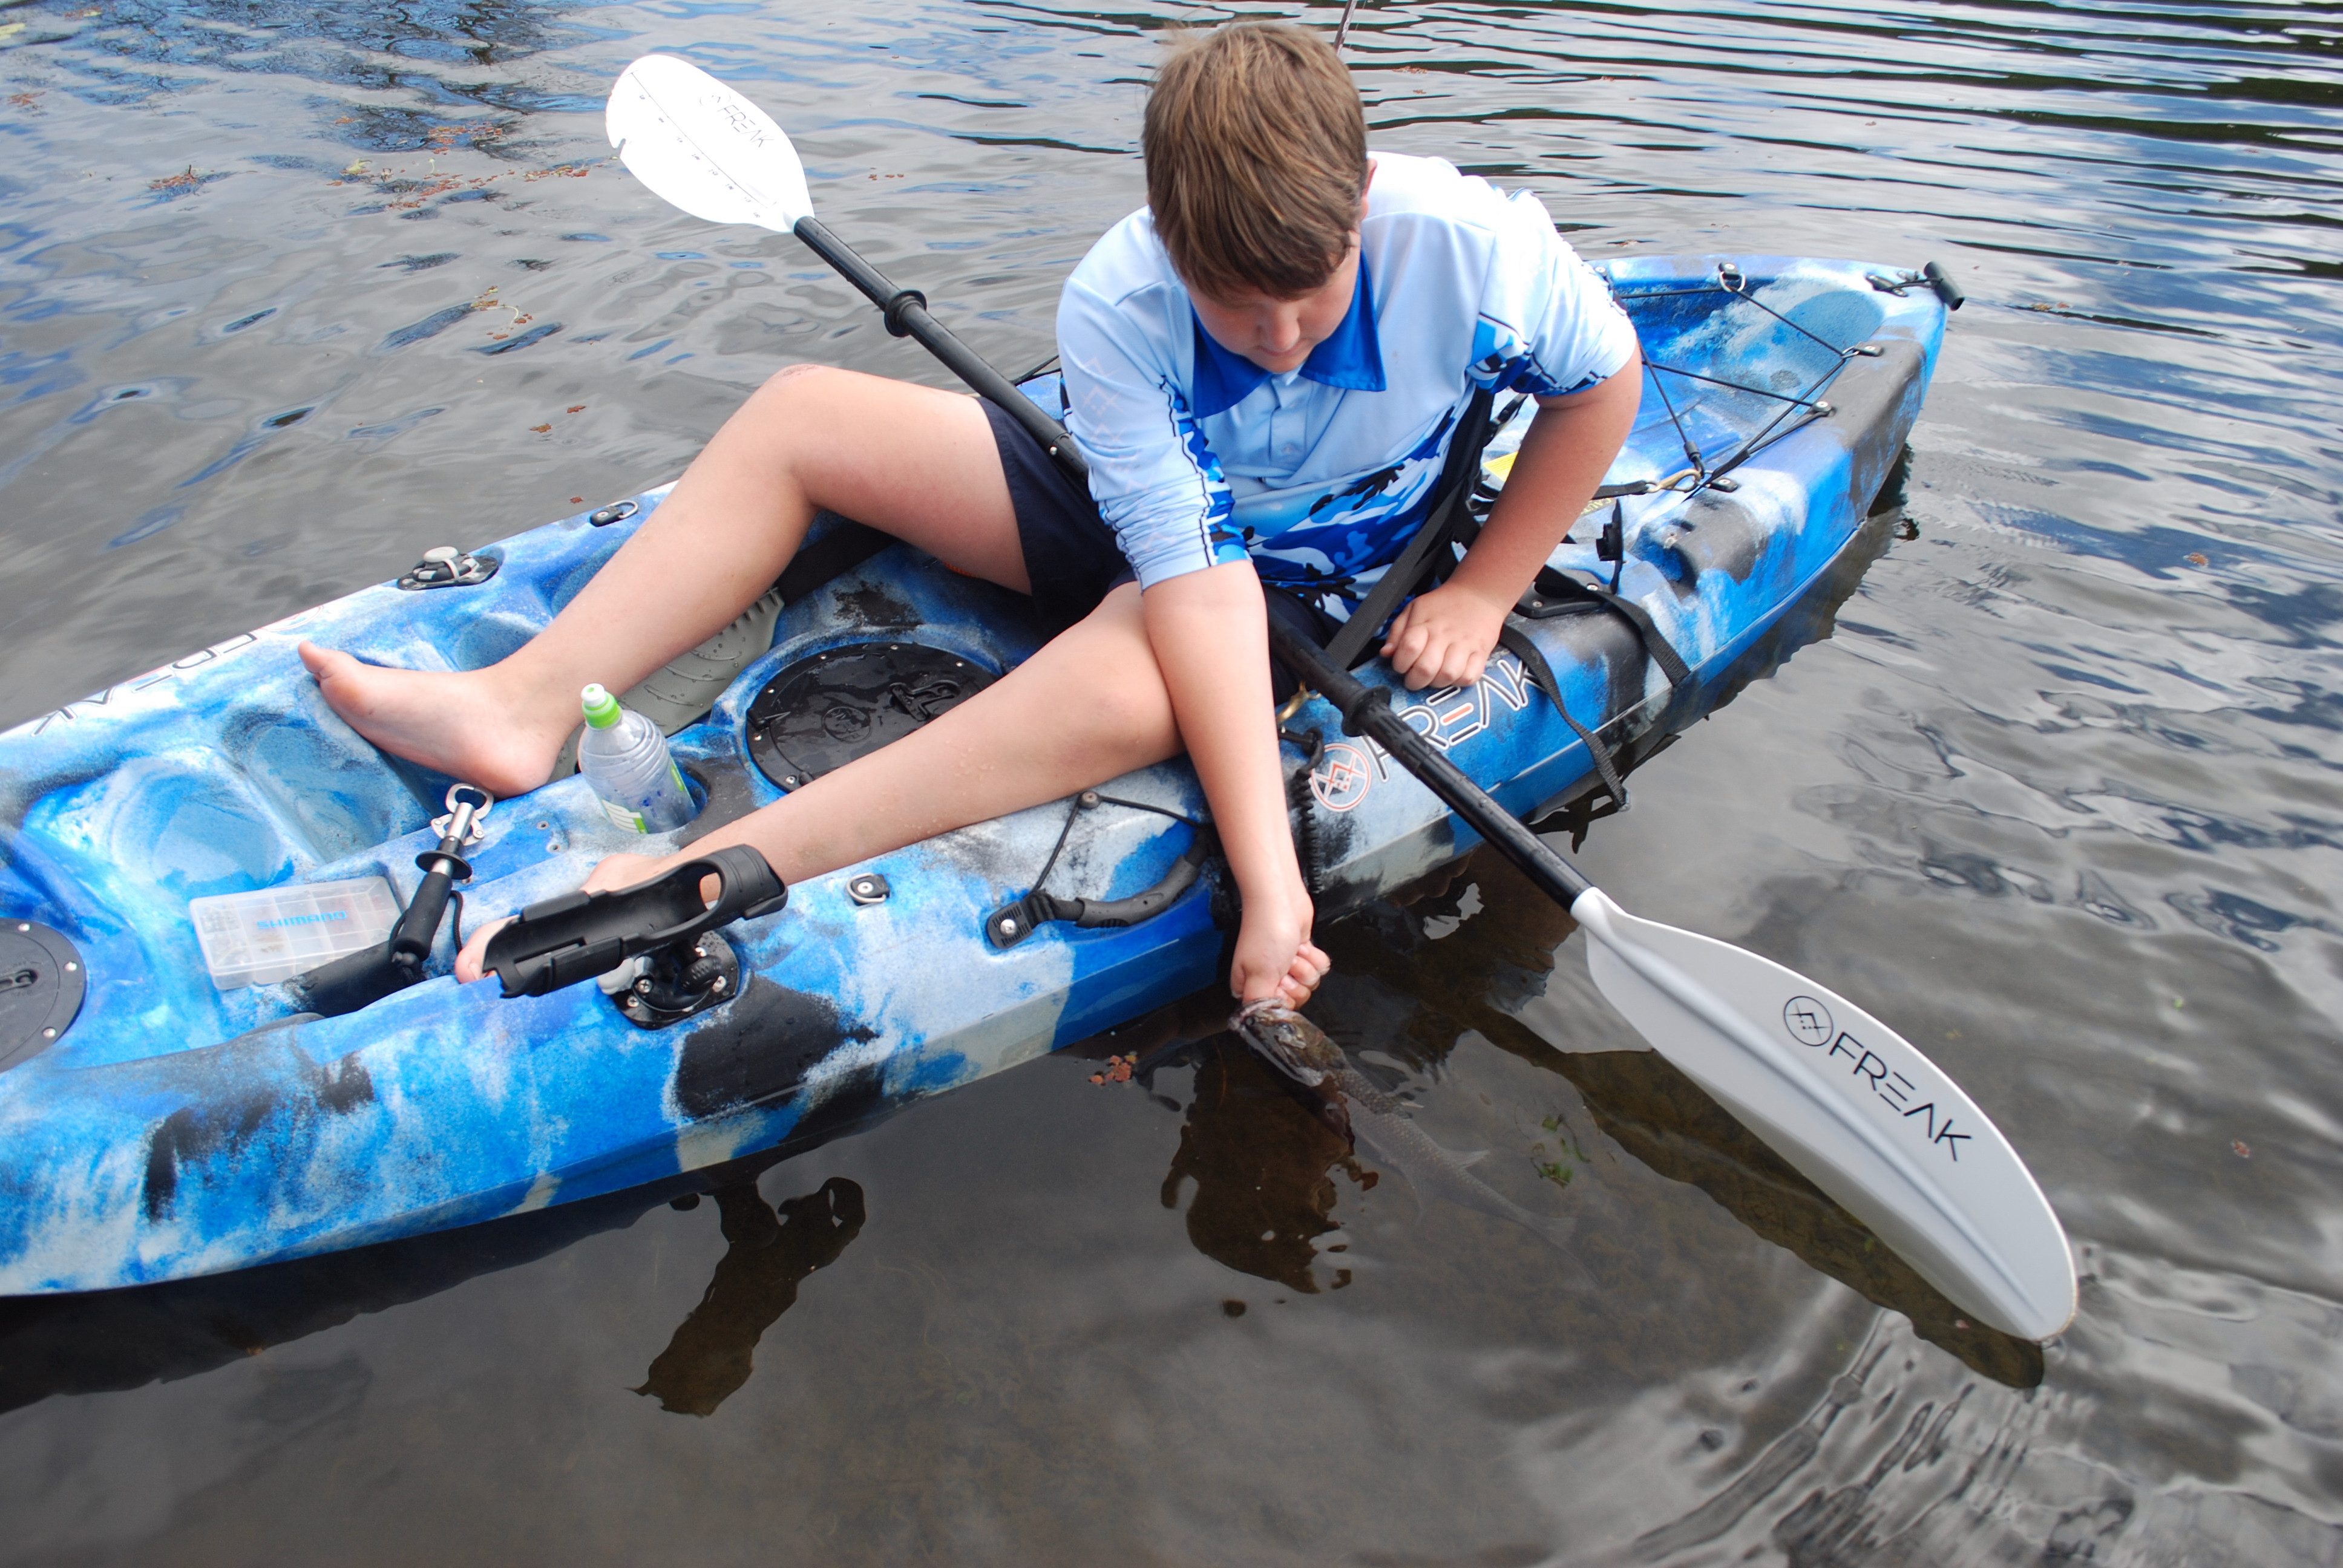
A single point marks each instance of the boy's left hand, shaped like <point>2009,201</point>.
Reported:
<point>1444,637</point>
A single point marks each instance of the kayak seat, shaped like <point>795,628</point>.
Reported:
<point>680,693</point>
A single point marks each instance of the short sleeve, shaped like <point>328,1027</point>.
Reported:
<point>1548,325</point>
<point>1152,474</point>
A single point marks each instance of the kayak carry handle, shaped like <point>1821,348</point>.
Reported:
<point>1012,923</point>
<point>1946,289</point>
<point>559,941</point>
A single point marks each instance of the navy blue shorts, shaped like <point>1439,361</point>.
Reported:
<point>1070,555</point>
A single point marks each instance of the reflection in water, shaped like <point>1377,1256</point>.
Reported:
<point>1651,1111</point>
<point>1665,1120</point>
<point>771,1252</point>
<point>115,1340</point>
<point>137,49</point>
<point>1264,1167</point>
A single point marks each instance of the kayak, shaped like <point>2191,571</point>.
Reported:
<point>167,1112</point>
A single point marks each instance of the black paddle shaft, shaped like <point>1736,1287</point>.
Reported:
<point>905,310</point>
<point>1366,710</point>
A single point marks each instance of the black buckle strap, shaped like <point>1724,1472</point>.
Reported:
<point>1011,924</point>
<point>1451,507</point>
<point>1559,593</point>
<point>1514,638</point>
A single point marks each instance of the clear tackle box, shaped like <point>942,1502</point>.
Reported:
<point>275,933</point>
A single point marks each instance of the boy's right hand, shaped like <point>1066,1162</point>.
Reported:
<point>1275,958</point>
<point>1445,635</point>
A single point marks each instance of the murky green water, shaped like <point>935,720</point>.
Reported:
<point>288,295</point>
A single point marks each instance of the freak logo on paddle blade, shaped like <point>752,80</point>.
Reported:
<point>1808,1021</point>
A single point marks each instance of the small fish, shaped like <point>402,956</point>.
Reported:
<point>1358,1109</point>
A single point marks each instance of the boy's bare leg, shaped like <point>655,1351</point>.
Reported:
<point>1088,707</point>
<point>912,461</point>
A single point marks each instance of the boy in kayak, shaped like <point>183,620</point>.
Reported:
<point>1265,367</point>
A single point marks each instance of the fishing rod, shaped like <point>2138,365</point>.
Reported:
<point>1797,1062</point>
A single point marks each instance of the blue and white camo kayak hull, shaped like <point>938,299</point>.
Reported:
<point>173,1129</point>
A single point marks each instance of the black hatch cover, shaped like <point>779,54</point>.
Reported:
<point>41,976</point>
<point>828,709</point>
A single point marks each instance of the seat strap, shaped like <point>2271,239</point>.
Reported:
<point>1514,638</point>
<point>1559,589</point>
<point>1451,512</point>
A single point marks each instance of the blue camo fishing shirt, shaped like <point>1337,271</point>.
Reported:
<point>1198,456</point>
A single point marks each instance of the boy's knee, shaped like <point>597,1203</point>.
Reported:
<point>795,381</point>
<point>1133,704</point>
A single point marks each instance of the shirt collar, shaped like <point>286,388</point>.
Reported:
<point>1350,359</point>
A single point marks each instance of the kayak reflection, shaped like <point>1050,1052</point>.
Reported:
<point>115,1340</point>
<point>769,1252</point>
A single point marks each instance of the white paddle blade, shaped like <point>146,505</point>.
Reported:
<point>702,146</point>
<point>1852,1105</point>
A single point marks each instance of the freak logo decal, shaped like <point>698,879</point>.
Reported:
<point>1447,715</point>
<point>1808,1021</point>
<point>176,668</point>
<point>1342,777</point>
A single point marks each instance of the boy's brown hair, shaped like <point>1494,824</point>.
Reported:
<point>1256,153</point>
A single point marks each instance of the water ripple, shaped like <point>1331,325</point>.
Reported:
<point>289,294</point>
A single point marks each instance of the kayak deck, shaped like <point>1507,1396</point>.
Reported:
<point>175,1129</point>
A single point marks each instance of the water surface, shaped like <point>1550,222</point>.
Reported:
<point>288,295</point>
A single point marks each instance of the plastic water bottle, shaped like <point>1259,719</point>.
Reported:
<point>625,757</point>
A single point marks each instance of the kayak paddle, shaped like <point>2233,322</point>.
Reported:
<point>1849,1101</point>
<point>1837,1094</point>
<point>703,148</point>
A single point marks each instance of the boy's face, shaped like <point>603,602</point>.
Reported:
<point>1279,334</point>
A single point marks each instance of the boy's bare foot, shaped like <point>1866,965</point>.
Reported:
<point>454,723</point>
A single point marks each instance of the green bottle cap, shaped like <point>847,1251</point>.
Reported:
<point>602,709</point>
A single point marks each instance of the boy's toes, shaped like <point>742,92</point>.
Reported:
<point>324,663</point>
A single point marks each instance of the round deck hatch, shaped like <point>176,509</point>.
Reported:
<point>41,976</point>
<point>827,709</point>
